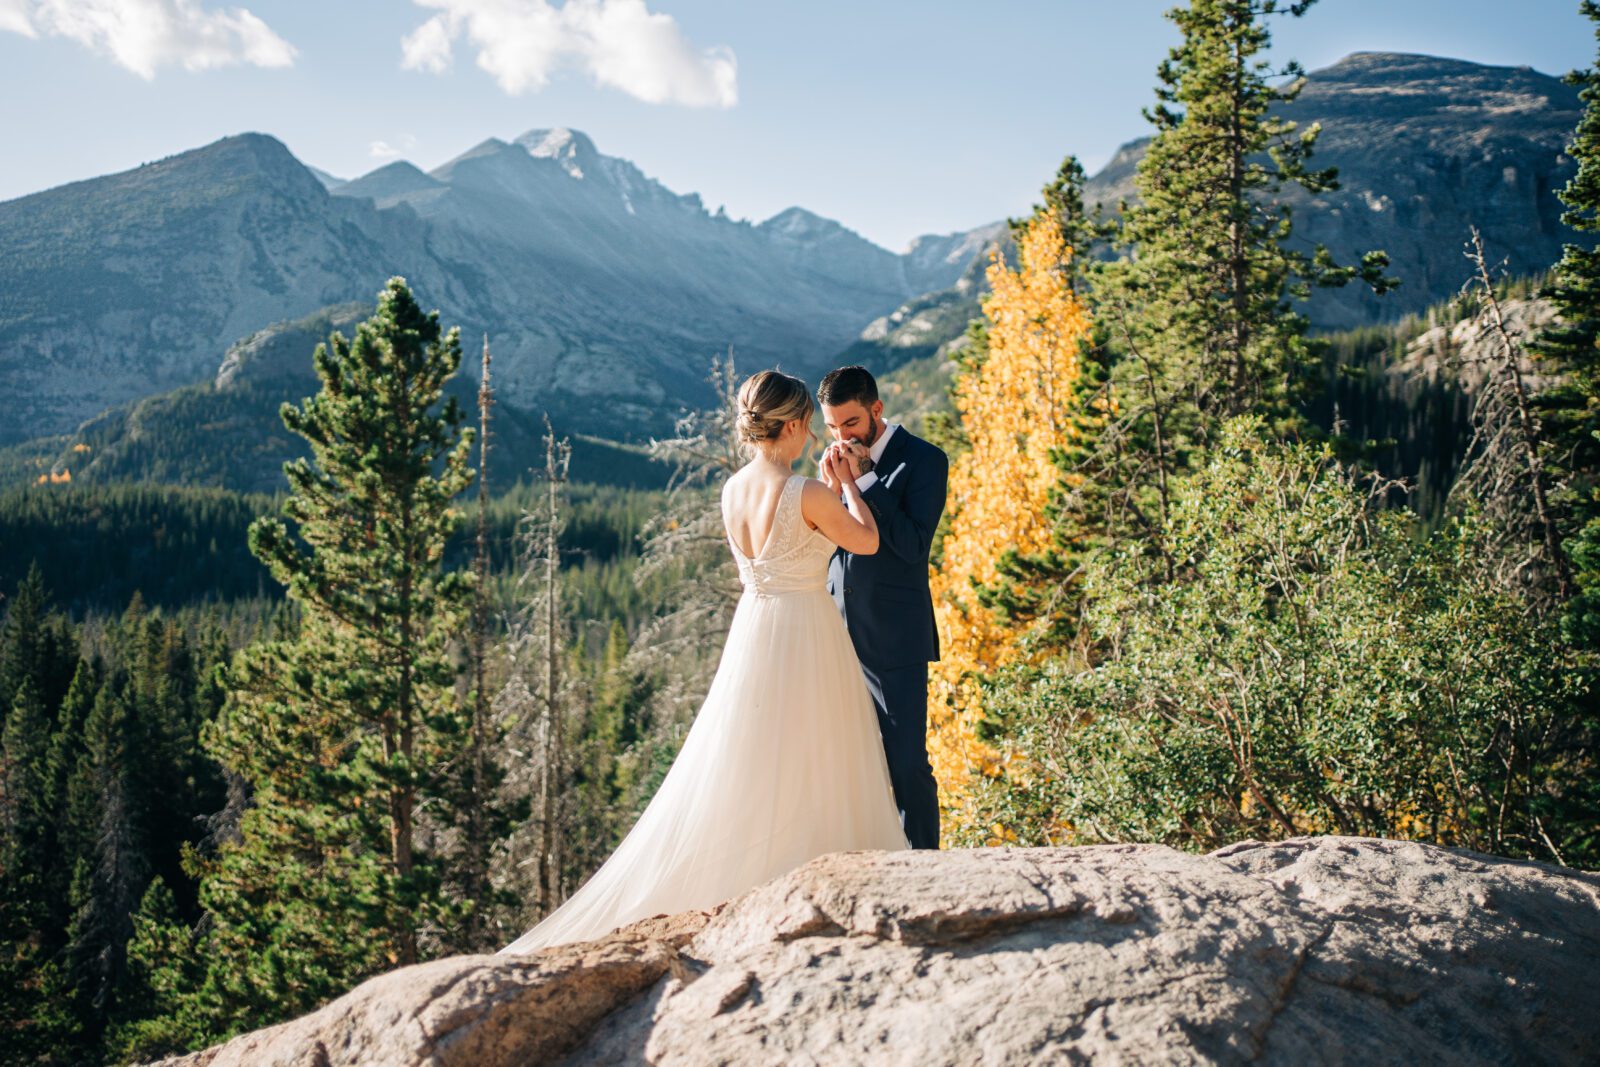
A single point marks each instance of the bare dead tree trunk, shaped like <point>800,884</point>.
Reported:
<point>557,458</point>
<point>477,847</point>
<point>1238,254</point>
<point>1528,439</point>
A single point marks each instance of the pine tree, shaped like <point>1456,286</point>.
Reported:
<point>22,636</point>
<point>605,760</point>
<point>35,643</point>
<point>37,1024</point>
<point>26,823</point>
<point>108,882</point>
<point>1082,232</point>
<point>619,697</point>
<point>73,778</point>
<point>26,860</point>
<point>156,1018</point>
<point>1570,411</point>
<point>1569,417</point>
<point>1201,308</point>
<point>343,730</point>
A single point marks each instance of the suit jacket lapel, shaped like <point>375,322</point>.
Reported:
<point>894,453</point>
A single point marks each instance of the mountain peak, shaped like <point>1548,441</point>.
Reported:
<point>1411,61</point>
<point>389,182</point>
<point>800,223</point>
<point>248,160</point>
<point>247,154</point>
<point>572,149</point>
<point>1408,74</point>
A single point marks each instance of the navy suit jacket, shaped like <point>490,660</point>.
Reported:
<point>884,597</point>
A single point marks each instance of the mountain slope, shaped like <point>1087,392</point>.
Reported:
<point>605,294</point>
<point>123,286</point>
<point>226,432</point>
<point>1425,149</point>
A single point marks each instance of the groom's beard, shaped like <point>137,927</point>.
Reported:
<point>873,434</point>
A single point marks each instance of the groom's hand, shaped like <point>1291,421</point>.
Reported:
<point>853,452</point>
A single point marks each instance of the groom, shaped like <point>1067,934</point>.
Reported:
<point>884,597</point>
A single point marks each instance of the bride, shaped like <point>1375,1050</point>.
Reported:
<point>783,762</point>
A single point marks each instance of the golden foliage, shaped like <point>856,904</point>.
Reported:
<point>1015,407</point>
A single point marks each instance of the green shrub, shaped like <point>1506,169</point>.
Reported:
<point>1309,667</point>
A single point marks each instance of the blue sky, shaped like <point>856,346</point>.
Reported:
<point>895,118</point>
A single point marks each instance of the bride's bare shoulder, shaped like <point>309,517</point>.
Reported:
<point>815,499</point>
<point>814,488</point>
<point>746,489</point>
<point>736,483</point>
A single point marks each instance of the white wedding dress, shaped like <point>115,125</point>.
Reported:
<point>783,762</point>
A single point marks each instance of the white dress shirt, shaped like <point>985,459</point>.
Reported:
<point>870,479</point>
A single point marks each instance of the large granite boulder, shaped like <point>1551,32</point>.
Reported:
<point>1312,950</point>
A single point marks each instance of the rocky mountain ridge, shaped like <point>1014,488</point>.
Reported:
<point>605,293</point>
<point>1426,148</point>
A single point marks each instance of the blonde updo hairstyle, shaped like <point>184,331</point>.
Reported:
<point>767,401</point>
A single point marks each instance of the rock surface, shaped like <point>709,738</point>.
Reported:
<point>1466,349</point>
<point>1312,950</point>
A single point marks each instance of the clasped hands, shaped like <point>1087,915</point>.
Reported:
<point>840,461</point>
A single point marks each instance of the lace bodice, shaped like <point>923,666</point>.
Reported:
<point>795,557</point>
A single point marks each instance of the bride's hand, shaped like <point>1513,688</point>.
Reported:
<point>830,471</point>
<point>837,471</point>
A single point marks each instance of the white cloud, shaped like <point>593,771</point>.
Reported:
<point>14,18</point>
<point>385,150</point>
<point>144,35</point>
<point>428,46</point>
<point>619,43</point>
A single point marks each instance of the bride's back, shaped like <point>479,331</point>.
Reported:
<point>750,502</point>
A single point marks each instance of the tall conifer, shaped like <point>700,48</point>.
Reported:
<point>1202,308</point>
<point>1571,410</point>
<point>21,636</point>
<point>109,881</point>
<point>344,729</point>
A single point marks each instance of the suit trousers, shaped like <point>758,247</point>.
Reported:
<point>900,697</point>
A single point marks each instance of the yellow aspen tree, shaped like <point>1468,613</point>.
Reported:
<point>1016,407</point>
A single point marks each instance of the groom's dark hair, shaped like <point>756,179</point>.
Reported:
<point>846,384</point>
